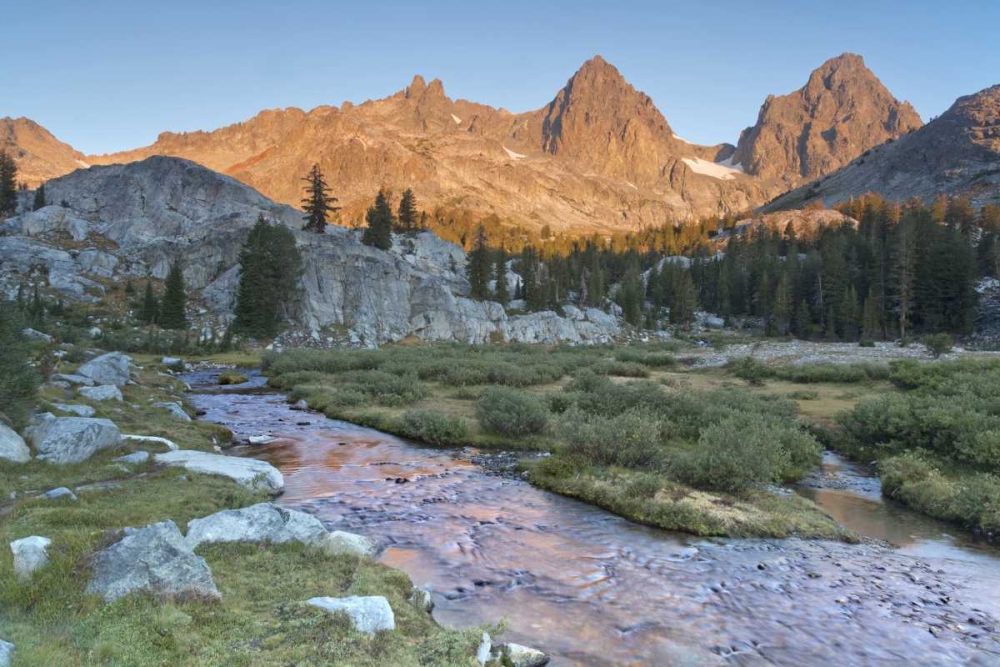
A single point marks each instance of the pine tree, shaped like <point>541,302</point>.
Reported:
<point>905,273</point>
<point>478,266</point>
<point>502,289</point>
<point>36,310</point>
<point>378,233</point>
<point>684,301</point>
<point>803,321</point>
<point>407,216</point>
<point>317,202</point>
<point>8,185</point>
<point>39,198</point>
<point>848,315</point>
<point>150,306</point>
<point>631,294</point>
<point>270,265</point>
<point>871,326</point>
<point>173,314</point>
<point>782,306</point>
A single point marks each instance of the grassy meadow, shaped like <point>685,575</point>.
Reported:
<point>630,428</point>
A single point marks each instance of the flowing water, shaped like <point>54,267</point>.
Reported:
<point>593,589</point>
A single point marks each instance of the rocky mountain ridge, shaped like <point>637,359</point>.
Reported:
<point>132,220</point>
<point>599,157</point>
<point>956,153</point>
<point>39,155</point>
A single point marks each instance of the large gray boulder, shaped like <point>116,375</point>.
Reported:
<point>72,439</point>
<point>368,614</point>
<point>30,554</point>
<point>254,474</point>
<point>104,392</point>
<point>111,368</point>
<point>264,522</point>
<point>6,654</point>
<point>155,559</point>
<point>12,446</point>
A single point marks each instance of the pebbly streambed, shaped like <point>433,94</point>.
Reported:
<point>590,588</point>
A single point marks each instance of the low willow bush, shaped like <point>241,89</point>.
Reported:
<point>627,369</point>
<point>646,357</point>
<point>741,452</point>
<point>433,427</point>
<point>631,439</point>
<point>972,500</point>
<point>511,413</point>
<point>755,372</point>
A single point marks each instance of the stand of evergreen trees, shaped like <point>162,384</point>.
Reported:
<point>270,267</point>
<point>8,185</point>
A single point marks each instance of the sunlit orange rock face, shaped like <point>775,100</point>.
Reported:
<point>598,157</point>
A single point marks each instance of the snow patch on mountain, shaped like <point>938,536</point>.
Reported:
<point>713,169</point>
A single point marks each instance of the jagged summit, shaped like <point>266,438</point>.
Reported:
<point>598,157</point>
<point>842,111</point>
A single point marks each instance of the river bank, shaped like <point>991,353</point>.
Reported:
<point>593,589</point>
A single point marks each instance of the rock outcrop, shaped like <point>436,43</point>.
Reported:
<point>155,559</point>
<point>64,440</point>
<point>264,522</point>
<point>841,112</point>
<point>12,446</point>
<point>104,392</point>
<point>108,369</point>
<point>254,474</point>
<point>957,153</point>
<point>161,208</point>
<point>6,654</point>
<point>368,614</point>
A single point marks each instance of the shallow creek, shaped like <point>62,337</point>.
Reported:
<point>593,589</point>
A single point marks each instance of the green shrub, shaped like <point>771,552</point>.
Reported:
<point>630,438</point>
<point>741,452</point>
<point>18,380</point>
<point>621,369</point>
<point>433,427</point>
<point>511,413</point>
<point>230,377</point>
<point>938,344</point>
<point>827,372</point>
<point>646,357</point>
<point>751,370</point>
<point>803,395</point>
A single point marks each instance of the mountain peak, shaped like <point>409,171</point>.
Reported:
<point>842,111</point>
<point>416,87</point>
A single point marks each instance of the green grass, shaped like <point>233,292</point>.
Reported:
<point>262,619</point>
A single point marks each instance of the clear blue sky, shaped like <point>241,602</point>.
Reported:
<point>108,75</point>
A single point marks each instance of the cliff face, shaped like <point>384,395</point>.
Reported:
<point>956,153</point>
<point>132,220</point>
<point>841,112</point>
<point>39,155</point>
